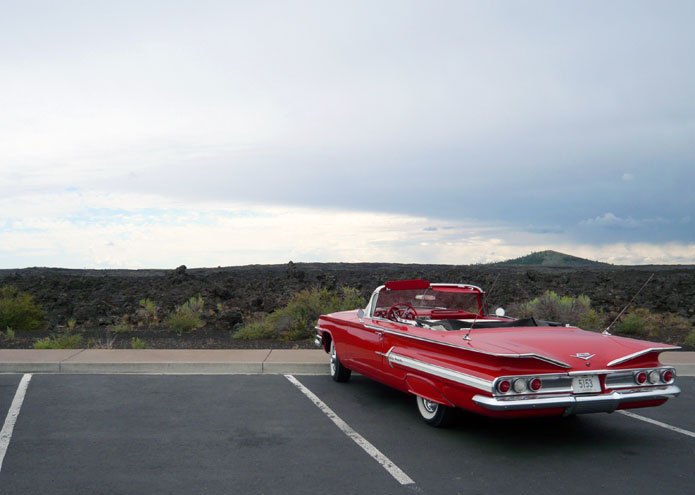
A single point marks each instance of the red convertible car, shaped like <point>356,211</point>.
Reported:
<point>436,342</point>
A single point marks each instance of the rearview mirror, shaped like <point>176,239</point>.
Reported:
<point>425,297</point>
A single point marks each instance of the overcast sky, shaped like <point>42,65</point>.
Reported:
<point>147,134</point>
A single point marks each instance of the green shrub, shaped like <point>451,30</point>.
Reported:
<point>633,323</point>
<point>184,321</point>
<point>573,310</point>
<point>350,298</point>
<point>641,322</point>
<point>64,341</point>
<point>149,308</point>
<point>690,339</point>
<point>8,334</point>
<point>195,304</point>
<point>257,328</point>
<point>187,316</point>
<point>137,343</point>
<point>18,310</point>
<point>590,321</point>
<point>120,327</point>
<point>296,321</point>
<point>102,343</point>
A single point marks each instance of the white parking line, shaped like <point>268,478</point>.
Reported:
<point>370,449</point>
<point>658,423</point>
<point>8,427</point>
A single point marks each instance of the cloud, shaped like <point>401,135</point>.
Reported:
<point>549,229</point>
<point>610,221</point>
<point>641,253</point>
<point>495,125</point>
<point>88,230</point>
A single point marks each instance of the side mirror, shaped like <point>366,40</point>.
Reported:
<point>360,314</point>
<point>500,312</point>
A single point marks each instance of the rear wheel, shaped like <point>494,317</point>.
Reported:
<point>435,414</point>
<point>339,372</point>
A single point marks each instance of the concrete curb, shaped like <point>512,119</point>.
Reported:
<point>97,361</point>
<point>29,367</point>
<point>168,368</point>
<point>198,361</point>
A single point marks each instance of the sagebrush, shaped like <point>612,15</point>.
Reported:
<point>62,341</point>
<point>149,309</point>
<point>19,311</point>
<point>137,343</point>
<point>641,322</point>
<point>187,316</point>
<point>563,309</point>
<point>633,323</point>
<point>297,319</point>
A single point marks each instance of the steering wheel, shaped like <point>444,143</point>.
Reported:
<point>401,310</point>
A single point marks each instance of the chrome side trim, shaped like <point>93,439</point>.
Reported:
<point>387,354</point>
<point>447,344</point>
<point>375,328</point>
<point>641,353</point>
<point>439,371</point>
<point>579,404</point>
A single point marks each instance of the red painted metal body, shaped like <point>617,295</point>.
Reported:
<point>462,367</point>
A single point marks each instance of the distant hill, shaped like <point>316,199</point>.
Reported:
<point>552,258</point>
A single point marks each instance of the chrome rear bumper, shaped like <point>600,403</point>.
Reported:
<point>577,404</point>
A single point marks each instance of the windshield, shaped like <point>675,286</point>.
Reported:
<point>425,301</point>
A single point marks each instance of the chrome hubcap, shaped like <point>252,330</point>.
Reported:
<point>430,407</point>
<point>333,358</point>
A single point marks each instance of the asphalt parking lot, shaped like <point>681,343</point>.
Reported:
<point>183,434</point>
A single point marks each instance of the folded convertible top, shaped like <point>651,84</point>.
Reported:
<point>462,325</point>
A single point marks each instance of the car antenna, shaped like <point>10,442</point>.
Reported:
<point>607,330</point>
<point>467,337</point>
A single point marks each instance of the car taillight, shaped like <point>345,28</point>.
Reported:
<point>535,384</point>
<point>640,377</point>
<point>667,376</point>
<point>653,376</point>
<point>519,385</point>
<point>504,386</point>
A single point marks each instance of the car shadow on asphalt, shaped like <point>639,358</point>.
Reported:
<point>541,435</point>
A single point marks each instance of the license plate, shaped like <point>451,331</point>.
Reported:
<point>585,384</point>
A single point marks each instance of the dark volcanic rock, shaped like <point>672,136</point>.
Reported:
<point>98,299</point>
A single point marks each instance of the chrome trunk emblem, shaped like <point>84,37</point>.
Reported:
<point>583,355</point>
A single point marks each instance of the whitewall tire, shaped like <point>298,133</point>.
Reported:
<point>339,372</point>
<point>435,414</point>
